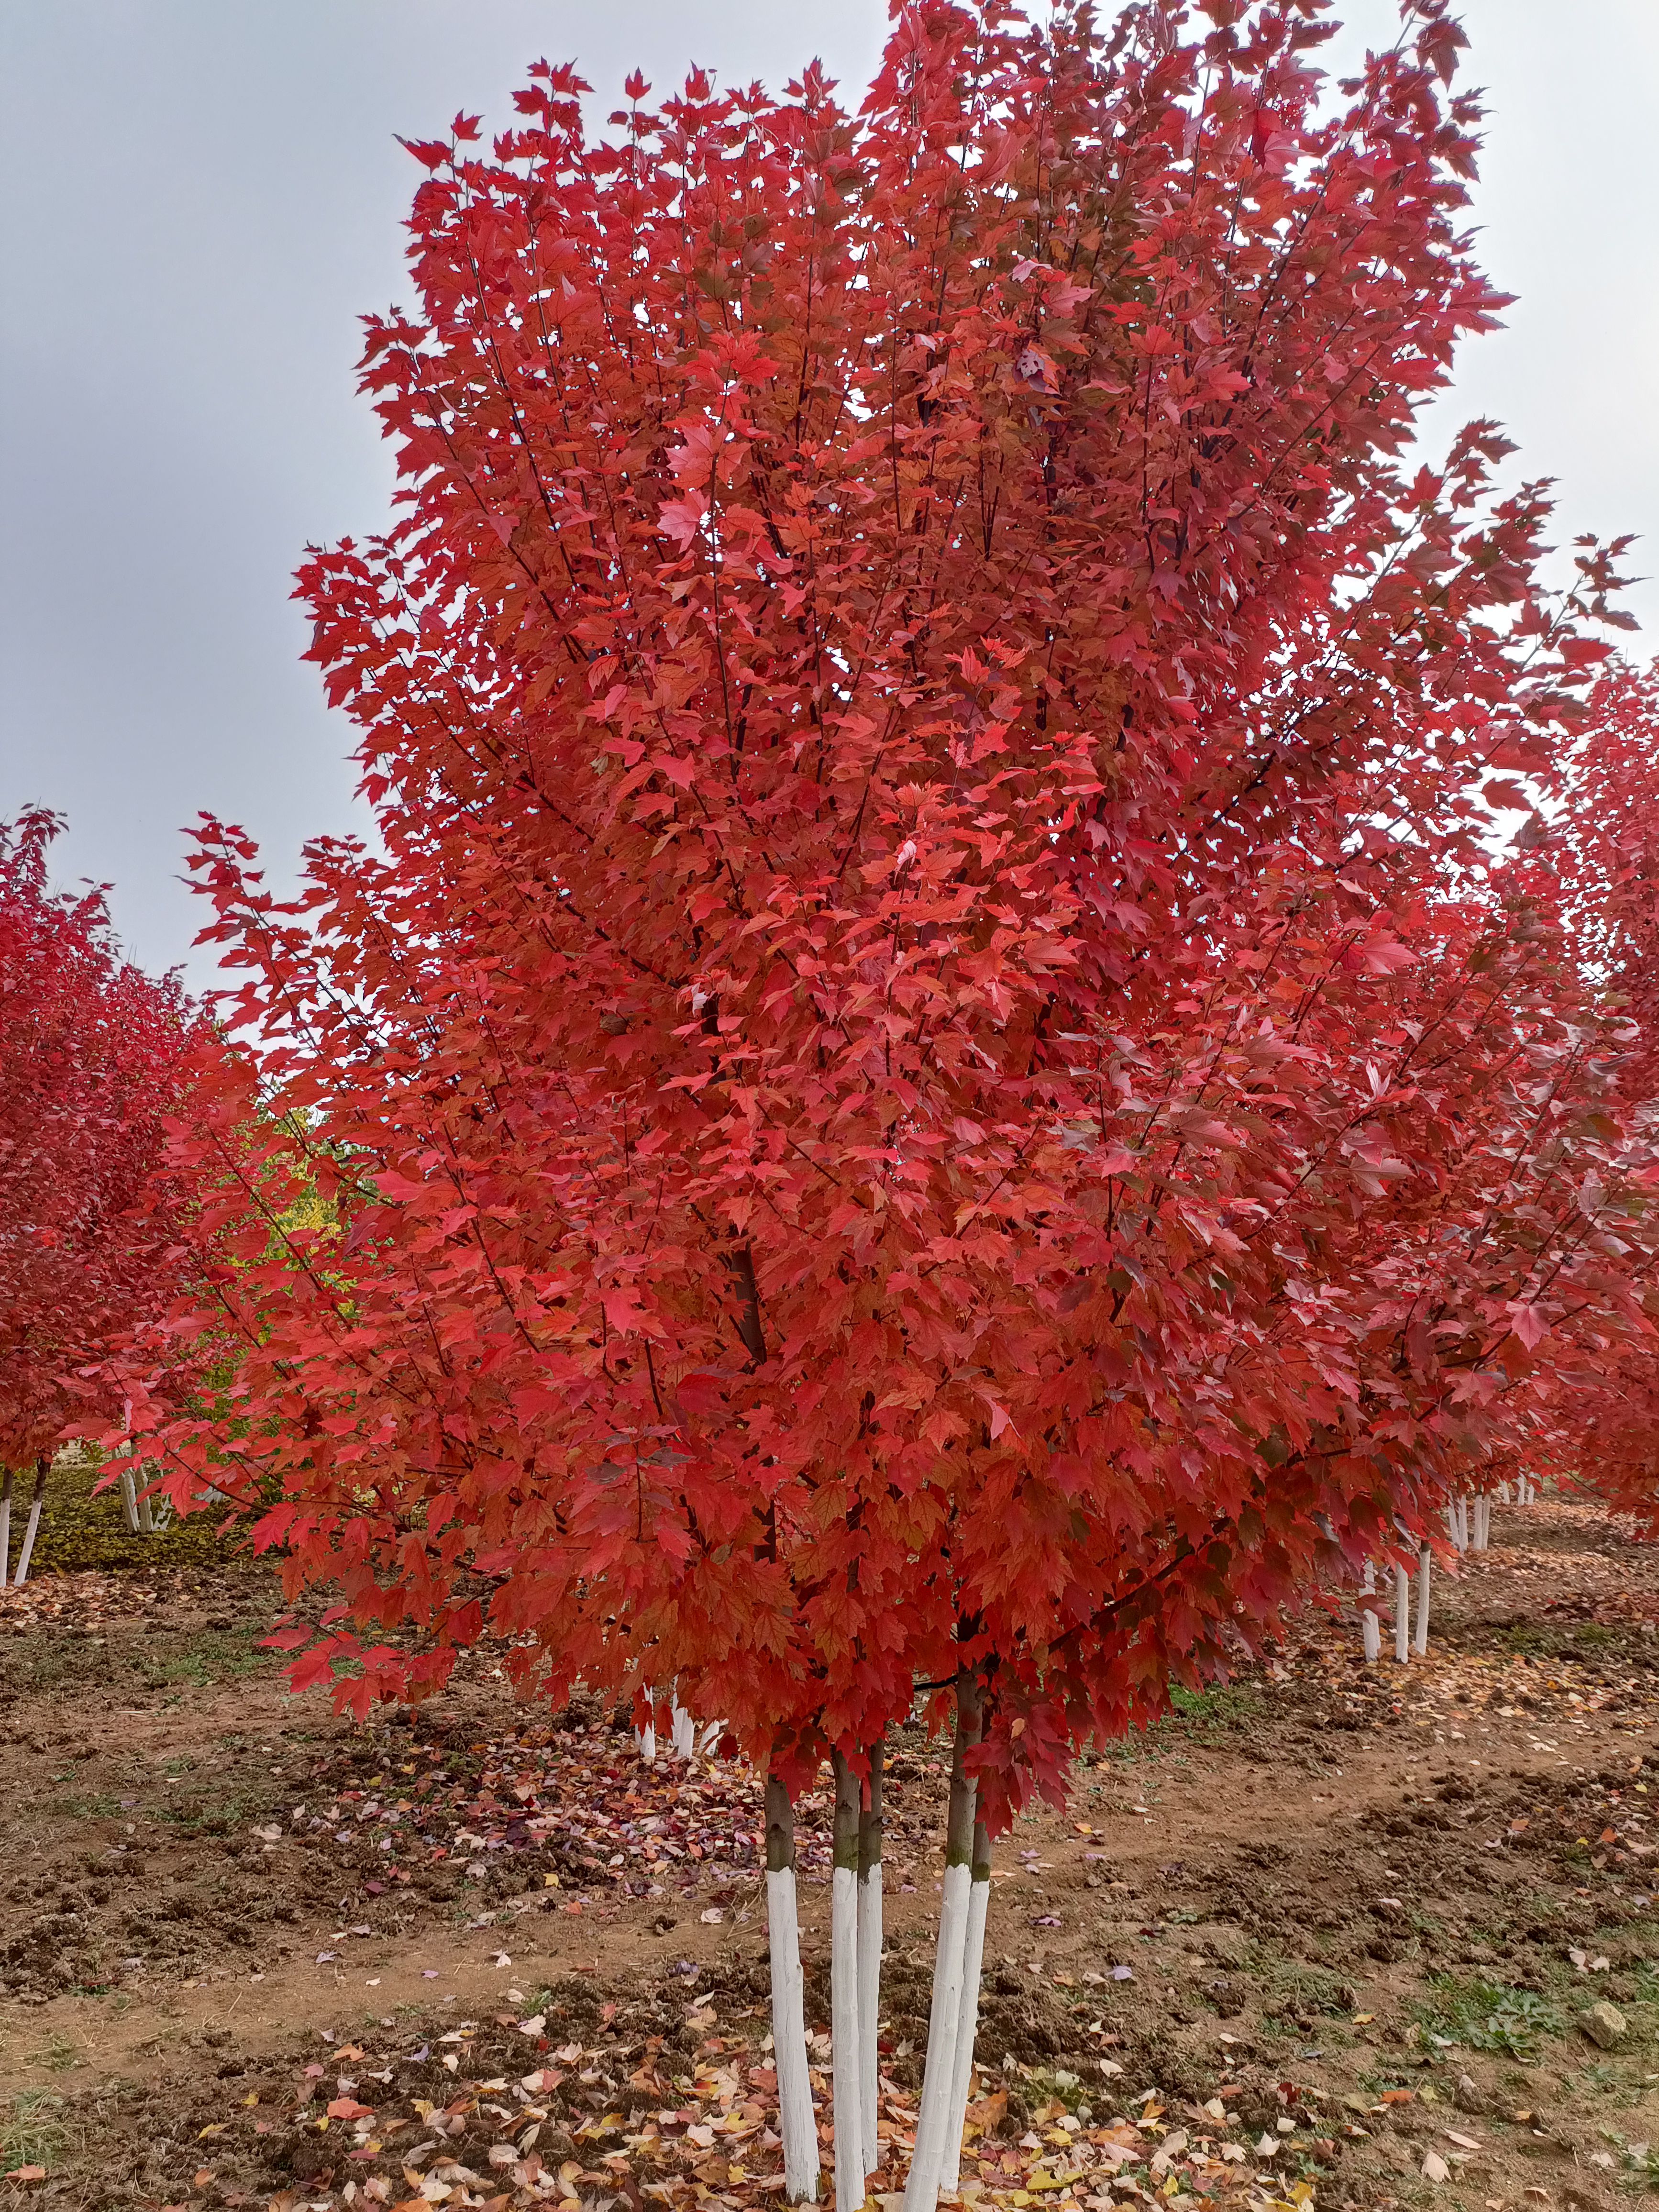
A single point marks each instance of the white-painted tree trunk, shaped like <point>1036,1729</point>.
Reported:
<point>851,2164</point>
<point>944,2024</point>
<point>797,2122</point>
<point>5,1527</point>
<point>645,1742</point>
<point>962,2084</point>
<point>32,1528</point>
<point>1425,1584</point>
<point>869,1943</point>
<point>944,2019</point>
<point>1482,1523</point>
<point>685,1733</point>
<point>1371,1628</point>
<point>1402,1615</point>
<point>129,1488</point>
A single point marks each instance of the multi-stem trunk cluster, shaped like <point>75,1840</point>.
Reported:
<point>954,2017</point>
<point>855,1980</point>
<point>855,1944</point>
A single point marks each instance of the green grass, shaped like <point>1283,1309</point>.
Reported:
<point>211,1655</point>
<point>58,2054</point>
<point>1290,1986</point>
<point>94,1807</point>
<point>1227,1706</point>
<point>1487,2016</point>
<point>216,1816</point>
<point>1567,1640</point>
<point>156,1659</point>
<point>1195,1717</point>
<point>34,2134</point>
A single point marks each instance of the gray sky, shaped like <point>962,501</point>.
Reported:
<point>202,198</point>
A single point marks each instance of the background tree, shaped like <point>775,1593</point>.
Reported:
<point>95,1058</point>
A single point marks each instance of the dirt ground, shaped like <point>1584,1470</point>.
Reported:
<point>1330,1937</point>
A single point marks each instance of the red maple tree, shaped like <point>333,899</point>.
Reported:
<point>94,1060</point>
<point>931,765</point>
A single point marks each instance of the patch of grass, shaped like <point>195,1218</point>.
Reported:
<point>1291,1986</point>
<point>214,1816</point>
<point>57,2054</point>
<point>1599,2079</point>
<point>200,1660</point>
<point>1571,1640</point>
<point>1487,2016</point>
<point>34,2134</point>
<point>1229,1705</point>
<point>95,1807</point>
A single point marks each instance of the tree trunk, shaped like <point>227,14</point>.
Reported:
<point>979,1898</point>
<point>796,2123</point>
<point>146,1519</point>
<point>870,1941</point>
<point>34,1527</point>
<point>944,2020</point>
<point>129,1501</point>
<point>1402,1615</point>
<point>1371,1628</point>
<point>685,1733</point>
<point>851,2165</point>
<point>1425,1582</point>
<point>5,1528</point>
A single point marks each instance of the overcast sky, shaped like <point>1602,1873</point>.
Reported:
<point>201,199</point>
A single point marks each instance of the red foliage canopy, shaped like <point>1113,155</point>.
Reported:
<point>93,1058</point>
<point>921,1076</point>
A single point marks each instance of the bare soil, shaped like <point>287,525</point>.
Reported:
<point>1342,1923</point>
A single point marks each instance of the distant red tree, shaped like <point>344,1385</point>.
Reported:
<point>95,1057</point>
<point>1598,1425</point>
